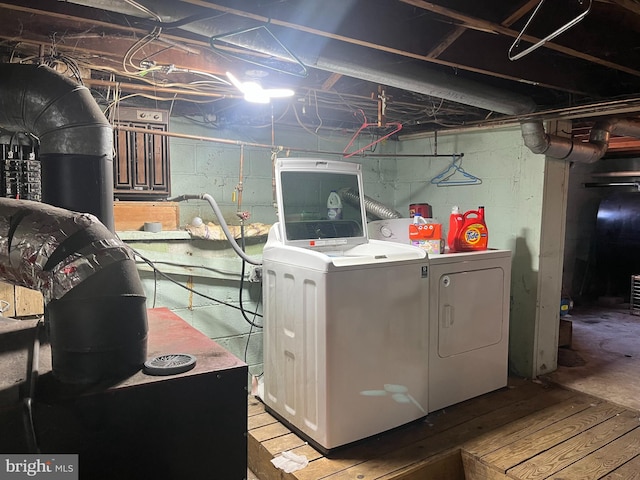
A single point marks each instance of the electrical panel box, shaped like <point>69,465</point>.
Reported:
<point>20,170</point>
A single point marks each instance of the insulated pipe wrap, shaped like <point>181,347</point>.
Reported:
<point>95,307</point>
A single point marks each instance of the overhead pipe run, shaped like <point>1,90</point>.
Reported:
<point>76,140</point>
<point>383,68</point>
<point>95,306</point>
<point>352,60</point>
<point>563,148</point>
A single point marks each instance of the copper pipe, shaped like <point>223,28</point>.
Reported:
<point>276,148</point>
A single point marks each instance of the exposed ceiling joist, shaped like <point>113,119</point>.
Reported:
<point>467,41</point>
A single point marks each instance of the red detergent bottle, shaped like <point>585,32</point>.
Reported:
<point>473,234</point>
<point>456,221</point>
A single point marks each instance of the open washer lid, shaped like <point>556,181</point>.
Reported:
<point>302,189</point>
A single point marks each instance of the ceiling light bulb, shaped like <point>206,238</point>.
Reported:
<point>253,91</point>
<point>257,97</point>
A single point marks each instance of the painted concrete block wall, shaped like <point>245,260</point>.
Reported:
<point>511,192</point>
<point>214,168</point>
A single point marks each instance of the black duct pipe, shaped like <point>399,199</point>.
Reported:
<point>76,140</point>
<point>95,310</point>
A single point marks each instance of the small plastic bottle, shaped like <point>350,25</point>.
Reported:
<point>418,218</point>
<point>414,228</point>
<point>334,206</point>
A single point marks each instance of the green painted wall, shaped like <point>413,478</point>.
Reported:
<point>512,194</point>
<point>214,168</point>
<point>511,191</point>
<point>200,166</point>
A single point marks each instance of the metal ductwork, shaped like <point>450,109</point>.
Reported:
<point>95,309</point>
<point>76,140</point>
<point>350,60</point>
<point>371,206</point>
<point>95,306</point>
<point>383,68</point>
<point>538,141</point>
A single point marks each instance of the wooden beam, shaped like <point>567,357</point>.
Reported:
<point>331,81</point>
<point>484,25</point>
<point>107,41</point>
<point>388,49</point>
<point>446,42</point>
<point>630,5</point>
<point>519,13</point>
<point>466,20</point>
<point>449,39</point>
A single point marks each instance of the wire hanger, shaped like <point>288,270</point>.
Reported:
<point>396,128</point>
<point>549,37</point>
<point>275,56</point>
<point>445,179</point>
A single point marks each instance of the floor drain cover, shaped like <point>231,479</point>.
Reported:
<point>170,364</point>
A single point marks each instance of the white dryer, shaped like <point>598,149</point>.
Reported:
<point>468,325</point>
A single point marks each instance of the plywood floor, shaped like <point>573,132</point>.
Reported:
<point>581,422</point>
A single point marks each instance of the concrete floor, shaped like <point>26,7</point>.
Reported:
<point>604,357</point>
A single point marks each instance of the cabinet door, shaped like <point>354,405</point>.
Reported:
<point>141,166</point>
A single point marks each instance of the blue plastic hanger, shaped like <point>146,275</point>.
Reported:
<point>444,179</point>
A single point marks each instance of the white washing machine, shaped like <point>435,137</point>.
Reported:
<point>346,339</point>
<point>468,325</point>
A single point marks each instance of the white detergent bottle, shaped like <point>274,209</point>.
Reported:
<point>334,206</point>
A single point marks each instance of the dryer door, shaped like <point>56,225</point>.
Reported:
<point>470,310</point>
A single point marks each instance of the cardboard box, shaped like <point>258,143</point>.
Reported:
<point>431,246</point>
<point>427,236</point>
<point>425,231</point>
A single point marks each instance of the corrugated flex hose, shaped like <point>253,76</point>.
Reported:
<point>223,225</point>
<point>372,206</point>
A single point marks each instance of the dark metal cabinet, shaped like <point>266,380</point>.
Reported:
<point>141,163</point>
<point>190,425</point>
